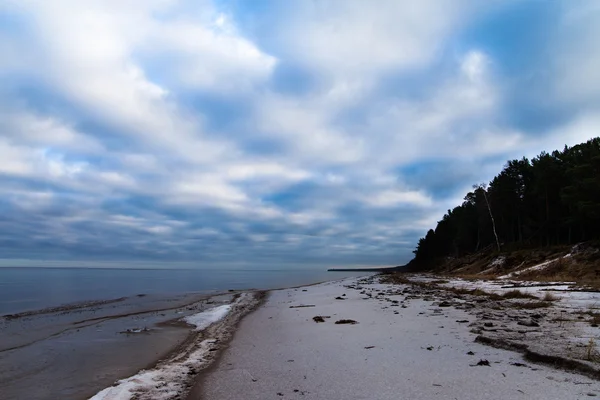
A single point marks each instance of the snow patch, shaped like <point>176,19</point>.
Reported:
<point>163,382</point>
<point>498,261</point>
<point>537,267</point>
<point>204,319</point>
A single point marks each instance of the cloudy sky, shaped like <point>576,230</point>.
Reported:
<point>314,132</point>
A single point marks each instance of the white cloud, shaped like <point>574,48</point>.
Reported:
<point>209,58</point>
<point>395,198</point>
<point>207,190</point>
<point>305,126</point>
<point>353,37</point>
<point>254,170</point>
<point>45,131</point>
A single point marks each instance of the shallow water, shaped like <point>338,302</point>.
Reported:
<point>73,353</point>
<point>25,289</point>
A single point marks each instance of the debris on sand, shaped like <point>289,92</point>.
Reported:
<point>530,323</point>
<point>318,319</point>
<point>303,306</point>
<point>135,330</point>
<point>482,363</point>
<point>518,364</point>
<point>340,298</point>
<point>346,321</point>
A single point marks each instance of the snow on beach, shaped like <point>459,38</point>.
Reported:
<point>567,296</point>
<point>172,377</point>
<point>564,317</point>
<point>537,267</point>
<point>162,382</point>
<point>405,343</point>
<point>204,319</point>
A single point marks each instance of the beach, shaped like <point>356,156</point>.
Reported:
<point>376,337</point>
<point>403,344</point>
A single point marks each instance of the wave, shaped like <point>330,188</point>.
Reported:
<point>65,308</point>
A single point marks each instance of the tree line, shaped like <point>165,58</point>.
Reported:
<point>552,199</point>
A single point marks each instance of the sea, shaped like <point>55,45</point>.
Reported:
<point>28,289</point>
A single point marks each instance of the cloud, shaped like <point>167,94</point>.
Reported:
<point>210,57</point>
<point>316,133</point>
<point>348,37</point>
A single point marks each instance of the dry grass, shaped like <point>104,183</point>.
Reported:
<point>550,297</point>
<point>582,268</point>
<point>559,270</point>
<point>401,279</point>
<point>473,292</point>
<point>591,350</point>
<point>595,320</point>
<point>396,278</point>
<point>592,283</point>
<point>593,306</point>
<point>517,294</point>
<point>475,277</point>
<point>439,282</point>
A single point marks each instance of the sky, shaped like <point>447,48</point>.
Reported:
<point>284,132</point>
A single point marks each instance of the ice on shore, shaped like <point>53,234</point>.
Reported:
<point>204,319</point>
<point>167,379</point>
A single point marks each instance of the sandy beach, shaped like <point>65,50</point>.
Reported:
<point>403,344</point>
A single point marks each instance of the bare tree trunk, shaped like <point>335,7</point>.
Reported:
<point>482,187</point>
<point>493,222</point>
<point>547,219</point>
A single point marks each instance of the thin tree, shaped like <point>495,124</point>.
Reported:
<point>482,187</point>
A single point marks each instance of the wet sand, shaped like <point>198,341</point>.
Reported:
<point>73,352</point>
<point>405,344</point>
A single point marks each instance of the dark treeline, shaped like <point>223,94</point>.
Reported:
<point>552,199</point>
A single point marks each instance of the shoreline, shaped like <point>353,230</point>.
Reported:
<point>406,343</point>
<point>108,341</point>
<point>224,331</point>
<point>213,350</point>
<point>112,338</point>
<point>175,375</point>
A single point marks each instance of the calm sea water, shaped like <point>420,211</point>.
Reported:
<point>25,289</point>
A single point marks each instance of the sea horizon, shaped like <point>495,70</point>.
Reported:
<point>24,289</point>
